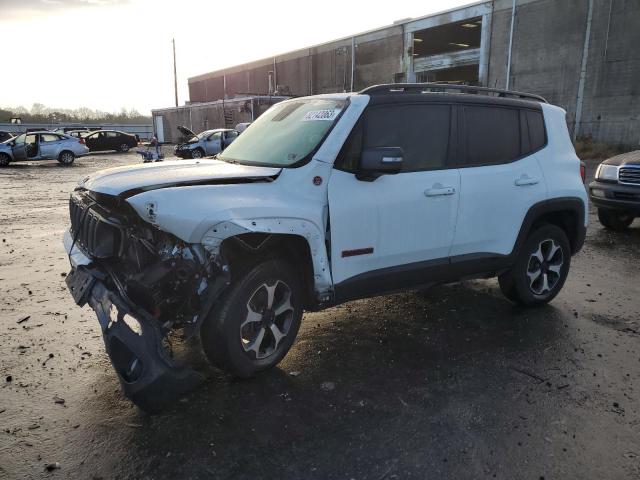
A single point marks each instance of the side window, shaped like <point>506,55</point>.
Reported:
<point>112,134</point>
<point>231,134</point>
<point>421,130</point>
<point>537,133</point>
<point>492,135</point>
<point>215,136</point>
<point>49,137</point>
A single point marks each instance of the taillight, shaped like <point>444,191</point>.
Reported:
<point>583,172</point>
<point>81,140</point>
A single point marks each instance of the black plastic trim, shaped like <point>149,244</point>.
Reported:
<point>452,269</point>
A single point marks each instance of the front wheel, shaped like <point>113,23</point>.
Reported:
<point>4,160</point>
<point>256,321</point>
<point>616,220</point>
<point>541,268</point>
<point>197,153</point>
<point>124,148</point>
<point>66,158</point>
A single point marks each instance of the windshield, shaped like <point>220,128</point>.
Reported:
<point>285,134</point>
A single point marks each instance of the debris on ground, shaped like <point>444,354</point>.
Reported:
<point>328,386</point>
<point>24,319</point>
<point>58,400</point>
<point>50,467</point>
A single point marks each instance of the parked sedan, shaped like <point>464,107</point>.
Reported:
<point>42,146</point>
<point>207,143</point>
<point>110,140</point>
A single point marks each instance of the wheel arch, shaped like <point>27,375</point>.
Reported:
<point>241,243</point>
<point>568,213</point>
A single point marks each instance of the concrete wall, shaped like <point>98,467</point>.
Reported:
<point>547,59</point>
<point>548,45</point>
<point>611,107</point>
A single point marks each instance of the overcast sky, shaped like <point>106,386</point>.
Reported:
<point>109,54</point>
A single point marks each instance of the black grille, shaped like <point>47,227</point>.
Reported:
<point>629,175</point>
<point>95,235</point>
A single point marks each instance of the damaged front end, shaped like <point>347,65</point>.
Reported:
<point>142,283</point>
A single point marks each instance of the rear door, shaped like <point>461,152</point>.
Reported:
<point>49,145</point>
<point>500,178</point>
<point>385,233</point>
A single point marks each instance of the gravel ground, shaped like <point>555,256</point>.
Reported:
<point>451,383</point>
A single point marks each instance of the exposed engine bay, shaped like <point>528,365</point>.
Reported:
<point>142,283</point>
<point>154,270</point>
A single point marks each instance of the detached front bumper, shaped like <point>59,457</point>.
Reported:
<point>614,196</point>
<point>133,341</point>
<point>183,153</point>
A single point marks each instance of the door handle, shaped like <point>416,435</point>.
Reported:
<point>525,180</point>
<point>439,191</point>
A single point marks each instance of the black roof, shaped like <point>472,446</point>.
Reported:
<point>393,92</point>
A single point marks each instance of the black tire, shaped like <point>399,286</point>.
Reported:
<point>521,285</point>
<point>616,220</point>
<point>197,153</point>
<point>124,148</point>
<point>66,158</point>
<point>4,160</point>
<point>227,343</point>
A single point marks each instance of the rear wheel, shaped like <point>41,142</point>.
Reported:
<point>124,148</point>
<point>197,153</point>
<point>66,158</point>
<point>256,321</point>
<point>541,268</point>
<point>616,220</point>
<point>4,159</point>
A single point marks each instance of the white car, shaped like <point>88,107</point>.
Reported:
<point>42,146</point>
<point>323,200</point>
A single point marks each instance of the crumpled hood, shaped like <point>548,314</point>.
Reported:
<point>131,180</point>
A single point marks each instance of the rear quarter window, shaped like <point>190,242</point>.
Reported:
<point>537,133</point>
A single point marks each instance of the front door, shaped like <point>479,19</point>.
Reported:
<point>389,232</point>
<point>93,141</point>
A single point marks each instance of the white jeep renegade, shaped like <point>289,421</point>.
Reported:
<point>322,200</point>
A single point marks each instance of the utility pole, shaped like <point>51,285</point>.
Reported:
<point>513,19</point>
<point>175,73</point>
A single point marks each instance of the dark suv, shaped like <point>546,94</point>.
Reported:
<point>616,190</point>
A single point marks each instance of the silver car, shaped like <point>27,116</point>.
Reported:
<point>207,143</point>
<point>42,146</point>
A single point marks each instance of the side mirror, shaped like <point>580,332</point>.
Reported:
<point>378,161</point>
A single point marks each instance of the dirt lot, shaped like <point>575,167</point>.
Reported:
<point>452,383</point>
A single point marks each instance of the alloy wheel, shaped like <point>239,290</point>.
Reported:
<point>545,267</point>
<point>268,320</point>
<point>124,147</point>
<point>66,158</point>
<point>196,154</point>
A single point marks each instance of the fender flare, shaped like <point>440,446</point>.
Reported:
<point>323,283</point>
<point>554,205</point>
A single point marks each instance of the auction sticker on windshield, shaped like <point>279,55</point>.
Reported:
<point>328,114</point>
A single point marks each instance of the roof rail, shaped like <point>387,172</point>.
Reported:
<point>444,87</point>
